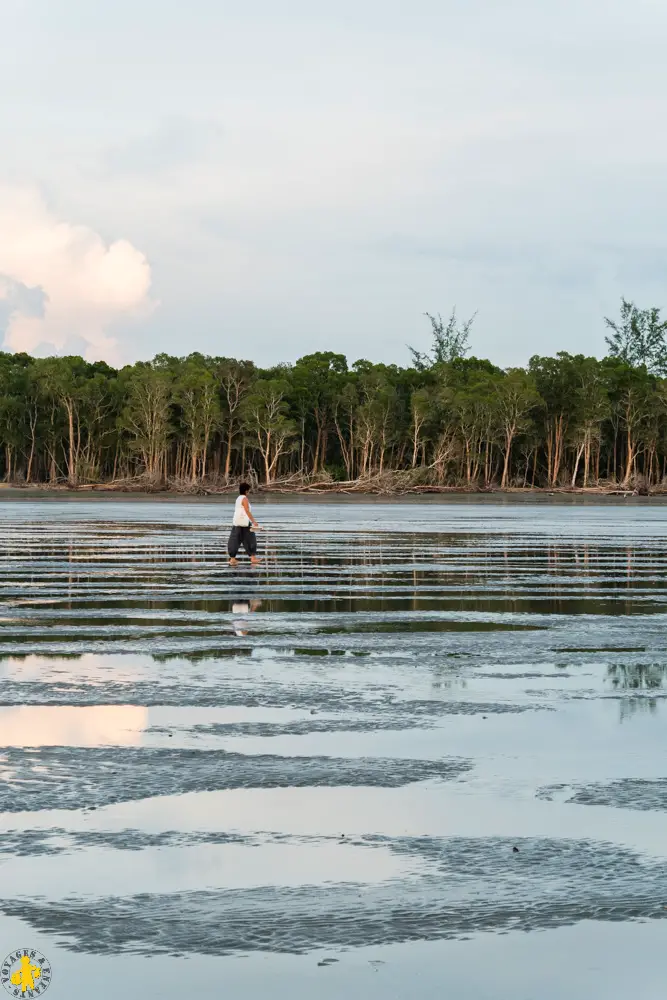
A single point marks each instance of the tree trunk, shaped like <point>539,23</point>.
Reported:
<point>580,451</point>
<point>629,459</point>
<point>597,463</point>
<point>509,438</point>
<point>649,472</point>
<point>204,454</point>
<point>228,456</point>
<point>303,446</point>
<point>70,422</point>
<point>415,440</point>
<point>550,451</point>
<point>28,474</point>
<point>267,460</point>
<point>558,449</point>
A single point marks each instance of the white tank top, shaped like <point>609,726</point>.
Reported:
<point>241,519</point>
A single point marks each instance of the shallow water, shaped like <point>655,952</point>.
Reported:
<point>419,752</point>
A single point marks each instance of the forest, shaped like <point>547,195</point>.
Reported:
<point>447,420</point>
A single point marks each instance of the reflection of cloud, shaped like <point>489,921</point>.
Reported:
<point>69,725</point>
<point>61,284</point>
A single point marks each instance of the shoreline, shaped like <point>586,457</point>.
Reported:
<point>451,495</point>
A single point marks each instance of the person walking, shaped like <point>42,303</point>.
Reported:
<point>243,530</point>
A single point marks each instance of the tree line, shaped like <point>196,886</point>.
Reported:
<point>447,419</point>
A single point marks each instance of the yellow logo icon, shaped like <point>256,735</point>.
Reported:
<point>25,973</point>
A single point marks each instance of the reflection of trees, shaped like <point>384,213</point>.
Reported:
<point>199,655</point>
<point>636,676</point>
<point>634,706</point>
<point>22,657</point>
<point>447,677</point>
<point>449,682</point>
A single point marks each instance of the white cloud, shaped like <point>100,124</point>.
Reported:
<point>85,287</point>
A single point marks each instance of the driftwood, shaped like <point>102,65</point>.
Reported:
<point>394,483</point>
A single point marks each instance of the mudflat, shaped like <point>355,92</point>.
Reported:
<point>419,751</point>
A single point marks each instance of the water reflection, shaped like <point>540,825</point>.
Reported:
<point>378,680</point>
<point>69,725</point>
<point>241,609</point>
<point>629,708</point>
<point>636,676</point>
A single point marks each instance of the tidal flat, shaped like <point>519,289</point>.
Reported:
<point>419,752</point>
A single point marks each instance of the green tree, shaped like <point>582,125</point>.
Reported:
<point>638,338</point>
<point>475,407</point>
<point>516,398</point>
<point>146,415</point>
<point>235,379</point>
<point>266,417</point>
<point>589,408</point>
<point>14,408</point>
<point>196,390</point>
<point>82,393</point>
<point>421,407</point>
<point>316,382</point>
<point>376,416</point>
<point>450,340</point>
<point>345,411</point>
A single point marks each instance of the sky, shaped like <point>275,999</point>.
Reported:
<point>271,179</point>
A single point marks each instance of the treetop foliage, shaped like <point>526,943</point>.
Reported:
<point>638,338</point>
<point>450,418</point>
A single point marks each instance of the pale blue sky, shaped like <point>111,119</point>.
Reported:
<point>290,177</point>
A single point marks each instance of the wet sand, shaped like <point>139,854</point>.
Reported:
<point>408,756</point>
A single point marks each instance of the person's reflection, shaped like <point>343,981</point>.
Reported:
<point>241,608</point>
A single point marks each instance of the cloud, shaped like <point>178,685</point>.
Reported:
<point>263,156</point>
<point>61,286</point>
